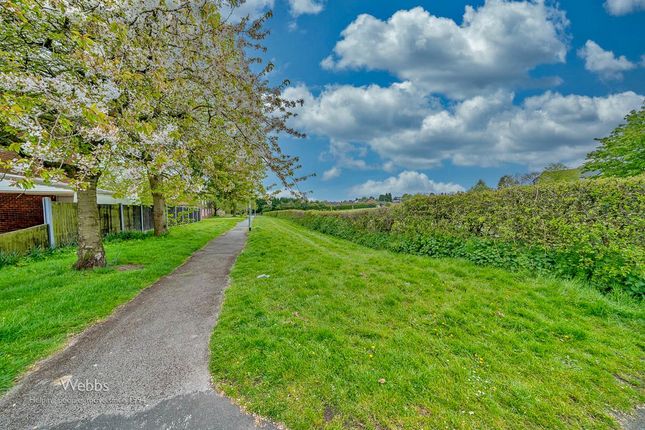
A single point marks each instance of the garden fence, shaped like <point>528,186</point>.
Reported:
<point>23,241</point>
<point>61,220</point>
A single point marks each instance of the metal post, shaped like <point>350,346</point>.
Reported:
<point>249,216</point>
<point>121,218</point>
<point>49,220</point>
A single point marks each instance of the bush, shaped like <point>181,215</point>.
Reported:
<point>592,229</point>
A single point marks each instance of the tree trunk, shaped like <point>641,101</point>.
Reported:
<point>90,246</point>
<point>159,213</point>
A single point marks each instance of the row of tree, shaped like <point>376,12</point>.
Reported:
<point>300,203</point>
<point>160,99</point>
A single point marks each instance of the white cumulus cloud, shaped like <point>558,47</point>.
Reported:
<point>410,130</point>
<point>332,173</point>
<point>409,182</point>
<point>488,131</point>
<point>303,7</point>
<point>496,46</point>
<point>604,63</point>
<point>623,7</point>
<point>348,113</point>
<point>456,101</point>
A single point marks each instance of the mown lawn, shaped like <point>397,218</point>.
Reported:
<point>342,336</point>
<point>43,302</point>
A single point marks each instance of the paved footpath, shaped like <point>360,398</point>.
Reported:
<point>146,366</point>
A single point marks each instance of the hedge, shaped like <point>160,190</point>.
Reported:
<point>591,229</point>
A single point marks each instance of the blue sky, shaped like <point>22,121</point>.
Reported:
<point>429,96</point>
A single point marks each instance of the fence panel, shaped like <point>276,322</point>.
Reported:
<point>132,217</point>
<point>65,220</point>
<point>109,219</point>
<point>181,215</point>
<point>65,224</point>
<point>170,216</point>
<point>178,215</point>
<point>22,241</point>
<point>148,223</point>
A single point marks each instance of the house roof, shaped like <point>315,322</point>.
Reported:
<point>54,189</point>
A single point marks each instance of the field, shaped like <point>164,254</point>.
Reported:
<point>343,336</point>
<point>43,302</point>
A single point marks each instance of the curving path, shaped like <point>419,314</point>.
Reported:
<point>146,366</point>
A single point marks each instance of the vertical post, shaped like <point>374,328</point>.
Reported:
<point>176,218</point>
<point>49,220</point>
<point>141,216</point>
<point>249,209</point>
<point>121,218</point>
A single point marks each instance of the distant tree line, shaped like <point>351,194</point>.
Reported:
<point>285,203</point>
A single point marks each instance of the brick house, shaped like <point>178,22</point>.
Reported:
<point>18,211</point>
<point>24,208</point>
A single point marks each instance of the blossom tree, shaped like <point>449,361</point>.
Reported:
<point>193,102</point>
<point>55,104</point>
<point>162,94</point>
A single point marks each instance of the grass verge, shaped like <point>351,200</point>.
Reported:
<point>342,336</point>
<point>43,302</point>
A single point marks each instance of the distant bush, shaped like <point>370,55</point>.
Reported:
<point>286,203</point>
<point>590,229</point>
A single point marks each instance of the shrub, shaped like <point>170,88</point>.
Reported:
<point>592,229</point>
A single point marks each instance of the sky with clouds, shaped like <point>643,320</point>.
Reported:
<point>429,96</point>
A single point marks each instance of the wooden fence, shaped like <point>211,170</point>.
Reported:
<point>182,215</point>
<point>61,220</point>
<point>22,241</point>
<point>110,219</point>
<point>64,221</point>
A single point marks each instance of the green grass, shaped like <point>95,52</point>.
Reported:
<point>567,175</point>
<point>42,302</point>
<point>342,336</point>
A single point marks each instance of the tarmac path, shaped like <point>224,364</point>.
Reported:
<point>146,366</point>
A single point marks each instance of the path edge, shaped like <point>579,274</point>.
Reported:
<point>72,339</point>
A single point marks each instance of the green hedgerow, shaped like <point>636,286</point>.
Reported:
<point>592,229</point>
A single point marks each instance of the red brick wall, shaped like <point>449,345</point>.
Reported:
<point>19,211</point>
